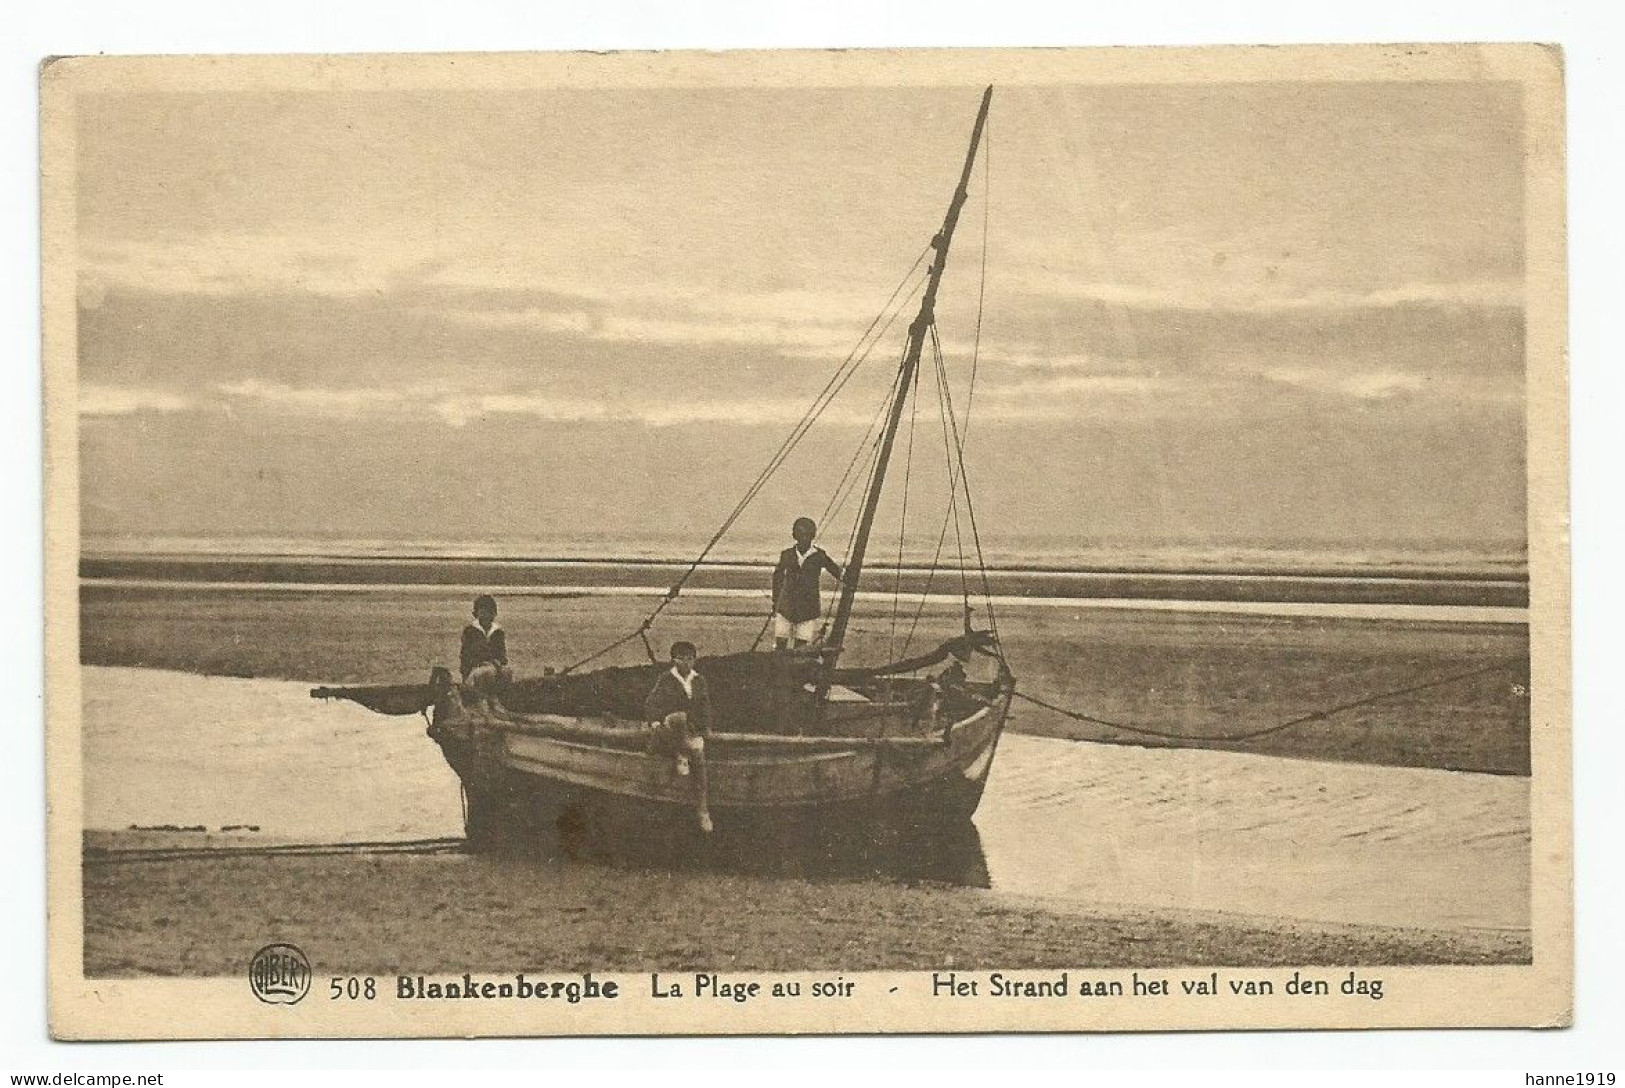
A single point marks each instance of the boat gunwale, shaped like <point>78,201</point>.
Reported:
<point>807,756</point>
<point>532,767</point>
<point>797,746</point>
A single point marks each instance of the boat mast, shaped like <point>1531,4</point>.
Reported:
<point>917,333</point>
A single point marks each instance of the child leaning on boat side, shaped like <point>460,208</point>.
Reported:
<point>953,680</point>
<point>485,649</point>
<point>953,677</point>
<point>678,711</point>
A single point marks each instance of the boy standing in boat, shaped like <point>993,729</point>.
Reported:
<point>485,649</point>
<point>797,606</point>
<point>678,711</point>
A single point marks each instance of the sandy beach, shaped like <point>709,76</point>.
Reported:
<point>189,916</point>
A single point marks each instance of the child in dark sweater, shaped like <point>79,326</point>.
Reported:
<point>485,649</point>
<point>678,711</point>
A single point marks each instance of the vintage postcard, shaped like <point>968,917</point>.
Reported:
<point>1052,540</point>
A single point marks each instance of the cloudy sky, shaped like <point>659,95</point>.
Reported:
<point>1279,314</point>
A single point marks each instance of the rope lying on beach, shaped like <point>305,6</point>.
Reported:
<point>1278,727</point>
<point>120,855</point>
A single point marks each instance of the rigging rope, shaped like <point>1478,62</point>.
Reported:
<point>870,443</point>
<point>902,526</point>
<point>832,388</point>
<point>868,473</point>
<point>617,644</point>
<point>949,515</point>
<point>838,497</point>
<point>947,410</point>
<point>1278,727</point>
<point>956,483</point>
<point>970,400</point>
<point>870,451</point>
<point>768,622</point>
<point>981,290</point>
<point>871,466</point>
<point>970,506</point>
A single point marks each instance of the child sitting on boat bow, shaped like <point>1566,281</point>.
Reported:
<point>485,649</point>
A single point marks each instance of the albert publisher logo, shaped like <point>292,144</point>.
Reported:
<point>279,974</point>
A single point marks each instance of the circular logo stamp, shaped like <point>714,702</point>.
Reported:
<point>279,974</point>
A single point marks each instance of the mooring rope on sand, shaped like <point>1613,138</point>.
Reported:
<point>1278,727</point>
<point>115,855</point>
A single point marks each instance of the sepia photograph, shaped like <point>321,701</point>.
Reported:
<point>731,543</point>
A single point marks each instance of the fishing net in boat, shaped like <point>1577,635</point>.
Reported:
<point>742,689</point>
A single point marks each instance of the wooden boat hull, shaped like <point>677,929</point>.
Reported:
<point>517,778</point>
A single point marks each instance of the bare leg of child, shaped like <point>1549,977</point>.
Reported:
<point>696,749</point>
<point>676,724</point>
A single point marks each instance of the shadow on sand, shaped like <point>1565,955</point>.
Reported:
<point>950,854</point>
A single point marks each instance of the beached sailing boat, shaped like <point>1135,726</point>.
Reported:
<point>800,739</point>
